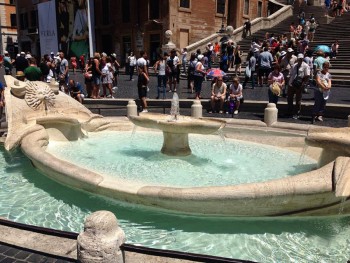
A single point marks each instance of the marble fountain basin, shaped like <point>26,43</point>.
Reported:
<point>322,191</point>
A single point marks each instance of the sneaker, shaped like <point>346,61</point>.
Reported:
<point>210,111</point>
<point>296,117</point>
<point>109,96</point>
<point>235,112</point>
<point>221,112</point>
<point>145,110</point>
<point>170,91</point>
<point>320,118</point>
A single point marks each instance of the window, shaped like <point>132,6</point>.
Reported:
<point>185,3</point>
<point>12,2</point>
<point>23,21</point>
<point>259,9</point>
<point>246,7</point>
<point>220,6</point>
<point>13,18</point>
<point>153,9</point>
<point>105,12</point>
<point>125,11</point>
<point>34,18</point>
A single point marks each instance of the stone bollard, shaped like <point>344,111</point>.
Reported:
<point>271,113</point>
<point>196,109</point>
<point>101,239</point>
<point>131,108</point>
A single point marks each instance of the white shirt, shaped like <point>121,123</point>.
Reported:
<point>141,62</point>
<point>303,70</point>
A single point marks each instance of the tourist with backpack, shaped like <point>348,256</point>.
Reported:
<point>190,72</point>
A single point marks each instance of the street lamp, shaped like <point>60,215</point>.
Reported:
<point>222,29</point>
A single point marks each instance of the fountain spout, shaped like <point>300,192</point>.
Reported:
<point>175,107</point>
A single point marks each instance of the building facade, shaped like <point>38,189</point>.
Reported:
<point>124,25</point>
<point>8,27</point>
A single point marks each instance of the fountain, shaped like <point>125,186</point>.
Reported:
<point>279,209</point>
<point>316,192</point>
<point>176,128</point>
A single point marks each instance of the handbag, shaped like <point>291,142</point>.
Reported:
<point>248,71</point>
<point>297,81</point>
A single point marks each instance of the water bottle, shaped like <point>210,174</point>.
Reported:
<point>231,106</point>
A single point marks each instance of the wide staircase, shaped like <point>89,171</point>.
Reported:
<point>325,34</point>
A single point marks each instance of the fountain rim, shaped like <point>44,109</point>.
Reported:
<point>267,198</point>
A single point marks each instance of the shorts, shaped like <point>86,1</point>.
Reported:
<point>96,80</point>
<point>172,75</point>
<point>264,72</point>
<point>142,92</point>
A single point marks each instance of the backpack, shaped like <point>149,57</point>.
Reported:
<point>191,67</point>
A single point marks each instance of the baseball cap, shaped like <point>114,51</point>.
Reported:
<point>114,55</point>
<point>52,53</point>
<point>6,52</point>
<point>300,55</point>
<point>290,50</point>
<point>200,57</point>
<point>22,53</point>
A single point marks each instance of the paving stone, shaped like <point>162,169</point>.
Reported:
<point>11,252</point>
<point>8,260</point>
<point>21,255</point>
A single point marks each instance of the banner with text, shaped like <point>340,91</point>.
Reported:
<point>73,27</point>
<point>47,27</point>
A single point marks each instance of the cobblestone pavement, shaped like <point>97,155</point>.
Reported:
<point>9,254</point>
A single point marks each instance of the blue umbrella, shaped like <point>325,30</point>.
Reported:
<point>324,48</point>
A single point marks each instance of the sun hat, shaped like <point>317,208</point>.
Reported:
<point>283,53</point>
<point>300,55</point>
<point>290,50</point>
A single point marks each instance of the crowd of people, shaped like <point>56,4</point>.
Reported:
<point>285,63</point>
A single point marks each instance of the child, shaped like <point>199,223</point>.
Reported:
<point>236,95</point>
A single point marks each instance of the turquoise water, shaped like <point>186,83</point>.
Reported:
<point>213,162</point>
<point>27,196</point>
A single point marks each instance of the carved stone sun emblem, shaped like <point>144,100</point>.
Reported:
<point>39,96</point>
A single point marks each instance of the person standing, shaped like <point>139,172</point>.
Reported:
<point>251,65</point>
<point>96,76</point>
<point>198,76</point>
<point>184,60</point>
<point>324,84</point>
<point>8,63</point>
<point>132,64</point>
<point>276,82</point>
<point>33,73</point>
<point>21,63</point>
<point>142,62</point>
<point>265,61</point>
<point>159,68</point>
<point>64,68</point>
<point>172,63</point>
<point>247,27</point>
<point>286,64</point>
<point>300,74</point>
<point>142,83</point>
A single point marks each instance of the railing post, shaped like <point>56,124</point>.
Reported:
<point>101,239</point>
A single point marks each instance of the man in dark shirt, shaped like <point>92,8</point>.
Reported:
<point>21,62</point>
<point>247,27</point>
